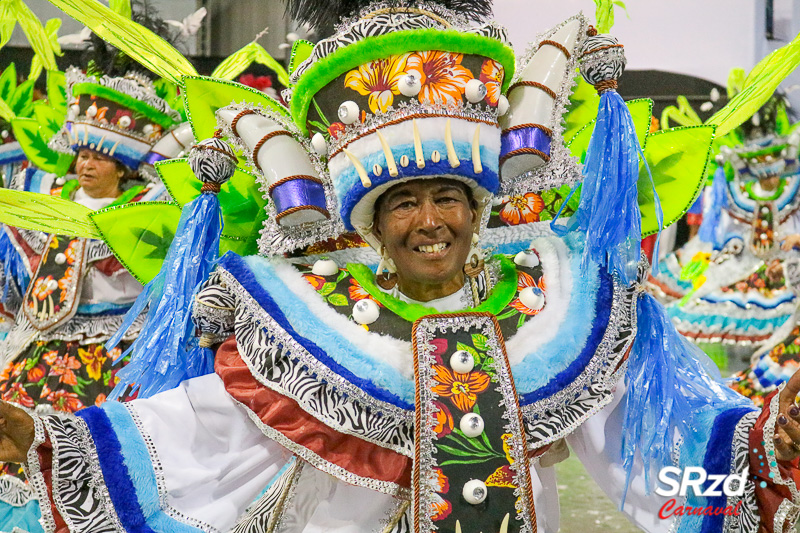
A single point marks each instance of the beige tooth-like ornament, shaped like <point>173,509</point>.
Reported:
<point>295,186</point>
<point>528,124</point>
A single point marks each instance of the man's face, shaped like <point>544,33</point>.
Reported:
<point>426,227</point>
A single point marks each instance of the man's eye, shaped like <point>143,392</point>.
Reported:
<point>408,204</point>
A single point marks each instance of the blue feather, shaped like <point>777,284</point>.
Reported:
<point>14,270</point>
<point>709,228</point>
<point>164,353</point>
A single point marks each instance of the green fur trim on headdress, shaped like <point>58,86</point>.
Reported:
<point>137,106</point>
<point>369,49</point>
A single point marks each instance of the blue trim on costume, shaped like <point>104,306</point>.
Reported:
<point>105,308</point>
<point>33,180</point>
<point>727,325</point>
<point>136,458</point>
<point>247,278</point>
<point>115,473</point>
<point>718,461</point>
<point>11,153</point>
<point>25,517</point>
<point>746,301</point>
<point>127,155</point>
<point>605,298</point>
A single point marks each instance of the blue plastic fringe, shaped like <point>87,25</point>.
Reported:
<point>709,228</point>
<point>166,352</point>
<point>609,209</point>
<point>14,270</point>
<point>671,385</point>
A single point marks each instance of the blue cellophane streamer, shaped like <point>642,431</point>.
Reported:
<point>609,209</point>
<point>166,352</point>
<point>671,385</point>
<point>14,270</point>
<point>709,228</point>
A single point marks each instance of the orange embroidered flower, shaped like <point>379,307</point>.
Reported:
<point>316,281</point>
<point>525,280</point>
<point>357,292</point>
<point>65,401</point>
<point>93,360</point>
<point>101,398</point>
<point>42,287</point>
<point>62,366</point>
<point>18,394</point>
<point>71,252</point>
<point>444,420</point>
<point>503,476</point>
<point>440,507</point>
<point>64,282</point>
<point>441,74</point>
<point>36,374</point>
<point>379,80</point>
<point>492,76</point>
<point>462,389</point>
<point>522,209</point>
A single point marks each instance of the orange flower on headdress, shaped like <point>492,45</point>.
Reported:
<point>522,209</point>
<point>462,389</point>
<point>42,288</point>
<point>492,76</point>
<point>525,280</point>
<point>441,74</point>
<point>378,79</point>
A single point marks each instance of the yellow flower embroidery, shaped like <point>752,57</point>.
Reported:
<point>378,79</point>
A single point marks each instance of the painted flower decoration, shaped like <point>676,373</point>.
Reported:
<point>316,281</point>
<point>441,74</point>
<point>336,129</point>
<point>71,253</point>
<point>19,395</point>
<point>379,80</point>
<point>36,374</point>
<point>63,367</point>
<point>124,113</point>
<point>503,476</point>
<point>357,292</point>
<point>93,359</point>
<point>492,76</point>
<point>462,389</point>
<point>64,401</point>
<point>42,288</point>
<point>522,209</point>
<point>441,507</point>
<point>525,280</point>
<point>444,420</point>
<point>101,399</point>
<point>63,283</point>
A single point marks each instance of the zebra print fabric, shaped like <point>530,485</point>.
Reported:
<point>265,514</point>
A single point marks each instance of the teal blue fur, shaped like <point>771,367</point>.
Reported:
<point>25,517</point>
<point>345,181</point>
<point>305,322</point>
<point>546,362</point>
<point>140,470</point>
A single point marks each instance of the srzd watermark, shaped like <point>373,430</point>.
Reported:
<point>679,481</point>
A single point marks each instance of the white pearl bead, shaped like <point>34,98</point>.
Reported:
<point>91,112</point>
<point>764,224</point>
<point>4,134</point>
<point>409,85</point>
<point>124,122</point>
<point>348,112</point>
<point>325,267</point>
<point>148,129</point>
<point>502,105</point>
<point>475,90</point>
<point>471,425</point>
<point>462,362</point>
<point>474,491</point>
<point>527,259</point>
<point>52,284</point>
<point>74,110</point>
<point>764,210</point>
<point>531,299</point>
<point>60,181</point>
<point>366,311</point>
<point>319,144</point>
<point>61,259</point>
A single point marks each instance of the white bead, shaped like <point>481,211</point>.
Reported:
<point>526,259</point>
<point>409,85</point>
<point>764,224</point>
<point>502,105</point>
<point>531,299</point>
<point>319,144</point>
<point>474,491</point>
<point>764,210</point>
<point>348,112</point>
<point>74,110</point>
<point>462,362</point>
<point>436,156</point>
<point>92,111</point>
<point>4,134</point>
<point>377,169</point>
<point>124,122</point>
<point>60,181</point>
<point>52,284</point>
<point>61,259</point>
<point>471,425</point>
<point>475,90</point>
<point>325,267</point>
<point>148,129</point>
<point>404,161</point>
<point>366,311</point>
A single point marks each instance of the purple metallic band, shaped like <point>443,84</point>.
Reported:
<point>524,138</point>
<point>298,192</point>
<point>152,158</point>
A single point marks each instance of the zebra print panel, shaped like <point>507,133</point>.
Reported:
<point>15,492</point>
<point>213,309</point>
<point>277,369</point>
<point>558,415</point>
<point>97,251</point>
<point>265,514</point>
<point>748,519</point>
<point>79,490</point>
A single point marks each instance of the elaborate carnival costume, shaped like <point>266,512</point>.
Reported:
<point>67,295</point>
<point>726,285</point>
<point>338,404</point>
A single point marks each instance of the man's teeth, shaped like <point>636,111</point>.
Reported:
<point>433,248</point>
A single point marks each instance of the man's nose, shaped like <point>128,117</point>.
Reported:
<point>430,218</point>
